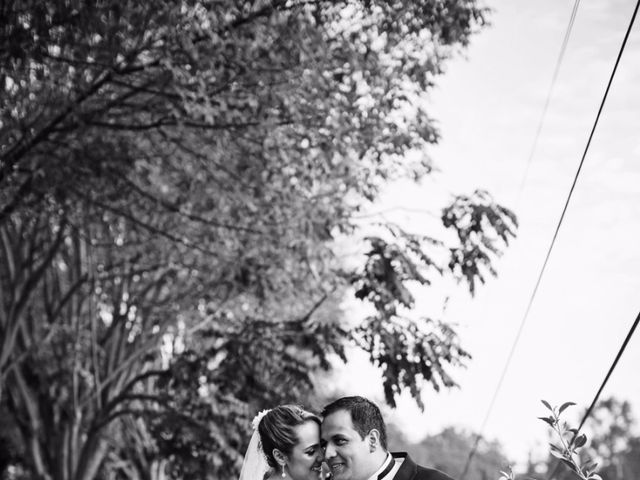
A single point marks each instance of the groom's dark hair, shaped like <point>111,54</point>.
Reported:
<point>365,416</point>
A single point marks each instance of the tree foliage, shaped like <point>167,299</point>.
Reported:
<point>172,179</point>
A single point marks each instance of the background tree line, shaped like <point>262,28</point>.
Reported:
<point>613,442</point>
<point>173,179</point>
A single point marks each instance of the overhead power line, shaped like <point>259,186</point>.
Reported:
<point>602,385</point>
<point>563,48</point>
<point>555,235</point>
<point>543,116</point>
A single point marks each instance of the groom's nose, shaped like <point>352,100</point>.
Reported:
<point>329,451</point>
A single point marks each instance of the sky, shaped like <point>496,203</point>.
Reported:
<point>488,106</point>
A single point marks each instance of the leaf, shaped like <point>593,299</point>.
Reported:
<point>569,464</point>
<point>580,440</point>
<point>565,406</point>
<point>548,420</point>
<point>546,404</point>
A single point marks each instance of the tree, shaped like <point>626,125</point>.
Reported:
<point>611,425</point>
<point>172,178</point>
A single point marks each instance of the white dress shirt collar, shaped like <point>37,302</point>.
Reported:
<point>386,462</point>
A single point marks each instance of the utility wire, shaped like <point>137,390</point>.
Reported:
<point>534,145</point>
<point>556,70</point>
<point>602,385</point>
<point>555,235</point>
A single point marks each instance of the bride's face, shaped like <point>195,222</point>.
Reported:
<point>306,457</point>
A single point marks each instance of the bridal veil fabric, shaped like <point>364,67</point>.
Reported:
<point>255,463</point>
<point>254,466</point>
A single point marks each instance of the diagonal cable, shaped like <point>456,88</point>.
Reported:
<point>602,385</point>
<point>555,235</point>
<point>543,116</point>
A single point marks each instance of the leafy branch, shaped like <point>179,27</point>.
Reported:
<point>566,450</point>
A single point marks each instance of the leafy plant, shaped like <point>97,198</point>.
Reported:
<point>570,441</point>
<point>566,449</point>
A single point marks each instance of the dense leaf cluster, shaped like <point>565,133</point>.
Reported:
<point>173,176</point>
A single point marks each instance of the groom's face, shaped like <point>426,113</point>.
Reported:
<point>347,454</point>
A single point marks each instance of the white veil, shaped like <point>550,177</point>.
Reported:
<point>254,466</point>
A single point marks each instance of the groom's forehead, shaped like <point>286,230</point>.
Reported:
<point>336,422</point>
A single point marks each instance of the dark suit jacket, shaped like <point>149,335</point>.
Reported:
<point>409,470</point>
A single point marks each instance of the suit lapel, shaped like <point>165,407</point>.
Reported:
<point>408,468</point>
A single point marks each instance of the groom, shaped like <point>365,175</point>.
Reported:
<point>354,436</point>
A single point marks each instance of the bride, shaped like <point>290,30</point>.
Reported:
<point>285,445</point>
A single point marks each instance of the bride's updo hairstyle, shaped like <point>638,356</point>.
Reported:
<point>277,429</point>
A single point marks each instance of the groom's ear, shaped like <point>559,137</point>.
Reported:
<point>374,440</point>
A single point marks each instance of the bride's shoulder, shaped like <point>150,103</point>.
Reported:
<point>270,475</point>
